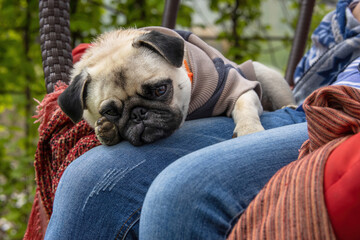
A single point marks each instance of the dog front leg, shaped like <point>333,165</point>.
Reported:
<point>246,114</point>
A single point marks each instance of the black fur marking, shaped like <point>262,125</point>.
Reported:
<point>112,107</point>
<point>147,91</point>
<point>169,47</point>
<point>72,100</point>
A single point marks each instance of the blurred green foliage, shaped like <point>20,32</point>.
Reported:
<point>247,33</point>
<point>21,75</point>
<point>20,80</point>
<point>239,15</point>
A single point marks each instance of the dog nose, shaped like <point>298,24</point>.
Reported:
<point>138,114</point>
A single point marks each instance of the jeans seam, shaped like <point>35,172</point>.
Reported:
<point>130,226</point>
<point>119,232</point>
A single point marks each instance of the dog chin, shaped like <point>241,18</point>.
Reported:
<point>140,134</point>
<point>150,130</point>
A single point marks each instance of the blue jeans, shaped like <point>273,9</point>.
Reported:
<point>100,194</point>
<point>201,195</point>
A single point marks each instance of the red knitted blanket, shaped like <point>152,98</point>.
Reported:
<point>61,141</point>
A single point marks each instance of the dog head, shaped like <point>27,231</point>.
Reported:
<point>134,79</point>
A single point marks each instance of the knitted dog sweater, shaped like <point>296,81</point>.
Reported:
<point>217,82</point>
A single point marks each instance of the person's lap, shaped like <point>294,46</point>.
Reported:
<point>101,193</point>
<point>104,188</point>
<point>200,195</point>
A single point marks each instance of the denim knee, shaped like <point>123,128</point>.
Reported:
<point>79,175</point>
<point>98,197</point>
<point>184,200</point>
<point>170,186</point>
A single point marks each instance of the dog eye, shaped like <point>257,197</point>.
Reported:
<point>159,91</point>
<point>111,112</point>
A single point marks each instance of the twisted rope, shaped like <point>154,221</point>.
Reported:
<point>55,41</point>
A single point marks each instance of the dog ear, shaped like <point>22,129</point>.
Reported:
<point>72,100</point>
<point>169,47</point>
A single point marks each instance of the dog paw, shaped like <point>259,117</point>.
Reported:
<point>106,132</point>
<point>244,130</point>
<point>290,106</point>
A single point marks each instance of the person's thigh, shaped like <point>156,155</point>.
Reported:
<point>101,193</point>
<point>201,195</point>
<point>282,117</point>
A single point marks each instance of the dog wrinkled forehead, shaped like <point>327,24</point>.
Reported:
<point>110,60</point>
<point>131,50</point>
<point>129,41</point>
<point>109,48</point>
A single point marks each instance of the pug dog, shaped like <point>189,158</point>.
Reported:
<point>140,85</point>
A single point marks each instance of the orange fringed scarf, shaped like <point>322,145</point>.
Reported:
<point>292,205</point>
